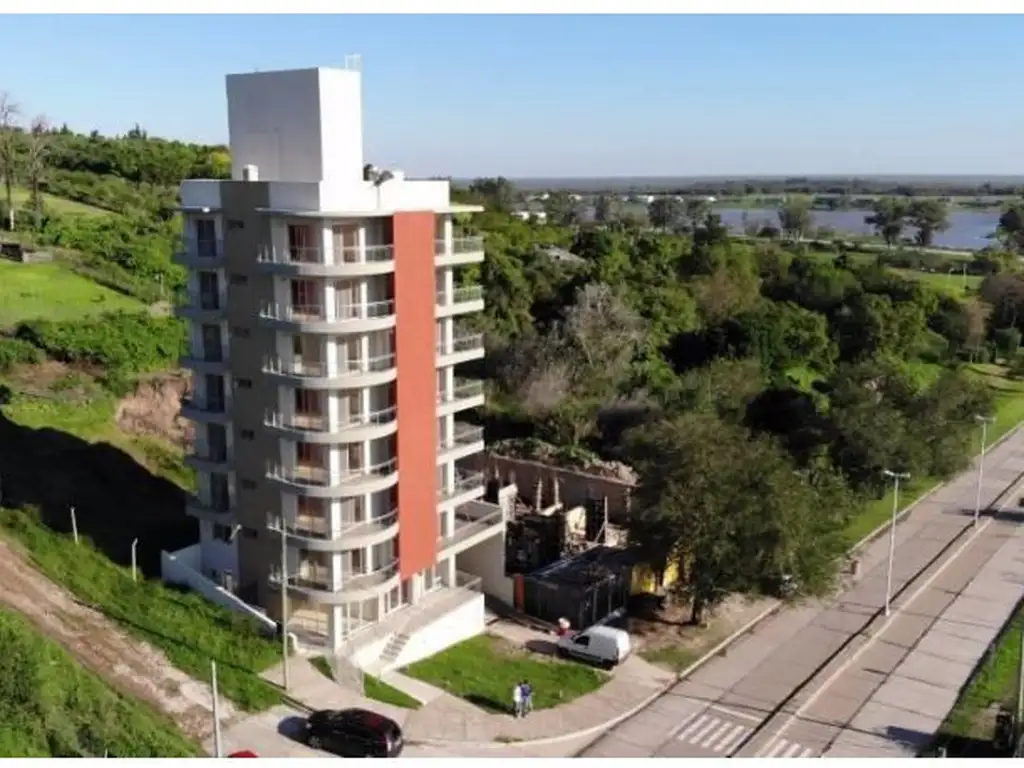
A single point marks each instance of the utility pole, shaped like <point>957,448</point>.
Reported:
<point>217,751</point>
<point>984,421</point>
<point>896,477</point>
<point>1018,718</point>
<point>74,525</point>
<point>284,602</point>
<point>135,562</point>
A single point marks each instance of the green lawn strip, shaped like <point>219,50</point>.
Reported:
<point>373,688</point>
<point>994,681</point>
<point>951,284</point>
<point>484,670</point>
<point>22,197</point>
<point>54,292</point>
<point>51,706</point>
<point>189,629</point>
<point>1008,414</point>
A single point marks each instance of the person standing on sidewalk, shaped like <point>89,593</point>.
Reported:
<point>527,697</point>
<point>517,701</point>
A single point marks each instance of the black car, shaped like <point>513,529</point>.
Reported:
<point>354,733</point>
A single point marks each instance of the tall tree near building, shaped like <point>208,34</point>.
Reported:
<point>37,146</point>
<point>929,216</point>
<point>9,140</point>
<point>795,218</point>
<point>888,217</point>
<point>665,212</point>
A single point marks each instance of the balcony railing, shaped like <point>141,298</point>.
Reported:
<point>464,343</point>
<point>372,254</point>
<point>374,364</point>
<point>312,422</point>
<point>301,475</point>
<point>291,255</point>
<point>463,390</point>
<point>369,579</point>
<point>383,468</point>
<point>464,435</point>
<point>308,368</point>
<point>209,405</point>
<point>308,576</point>
<point>369,310</point>
<point>471,519</point>
<point>464,481</point>
<point>293,313</point>
<point>382,416</point>
<point>459,245</point>
<point>220,505</point>
<point>304,526</point>
<point>461,295</point>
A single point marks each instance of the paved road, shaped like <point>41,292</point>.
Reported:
<point>740,704</point>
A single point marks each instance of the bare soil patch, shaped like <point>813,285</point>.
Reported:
<point>154,409</point>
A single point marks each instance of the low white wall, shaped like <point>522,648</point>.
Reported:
<point>369,653</point>
<point>182,567</point>
<point>487,561</point>
<point>464,622</point>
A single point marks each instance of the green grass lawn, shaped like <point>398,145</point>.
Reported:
<point>1008,414</point>
<point>189,629</point>
<point>60,205</point>
<point>373,688</point>
<point>50,706</point>
<point>484,670</point>
<point>995,680</point>
<point>52,291</point>
<point>953,285</point>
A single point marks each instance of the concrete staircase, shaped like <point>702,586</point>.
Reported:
<point>390,653</point>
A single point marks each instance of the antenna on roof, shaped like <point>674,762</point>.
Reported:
<point>354,62</point>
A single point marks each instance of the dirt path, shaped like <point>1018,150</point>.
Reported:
<point>130,665</point>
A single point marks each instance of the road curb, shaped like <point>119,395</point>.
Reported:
<point>611,723</point>
<point>905,512</point>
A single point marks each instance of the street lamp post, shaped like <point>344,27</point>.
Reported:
<point>984,421</point>
<point>896,478</point>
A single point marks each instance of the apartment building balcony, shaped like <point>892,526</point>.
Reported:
<point>195,253</point>
<point>319,483</point>
<point>473,522</point>
<point>315,583</point>
<point>212,361</point>
<point>459,251</point>
<point>317,428</point>
<point>465,394</point>
<point>208,461</point>
<point>347,318</point>
<point>468,486</point>
<point>347,374</point>
<point>358,261</point>
<point>461,301</point>
<point>209,411</point>
<point>462,348</point>
<point>215,512</point>
<point>314,533</point>
<point>466,440</point>
<point>205,308</point>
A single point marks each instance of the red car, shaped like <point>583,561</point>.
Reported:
<point>244,753</point>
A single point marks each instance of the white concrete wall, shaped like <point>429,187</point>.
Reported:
<point>487,561</point>
<point>355,195</point>
<point>182,567</point>
<point>464,622</point>
<point>200,193</point>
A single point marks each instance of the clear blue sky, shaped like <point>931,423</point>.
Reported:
<point>569,95</point>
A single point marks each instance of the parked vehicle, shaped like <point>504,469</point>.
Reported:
<point>354,733</point>
<point>601,645</point>
<point>243,753</point>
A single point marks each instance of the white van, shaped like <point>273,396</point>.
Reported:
<point>604,646</point>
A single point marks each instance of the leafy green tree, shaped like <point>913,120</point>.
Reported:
<point>928,216</point>
<point>498,194</point>
<point>1011,226</point>
<point>9,146</point>
<point>562,209</point>
<point>731,512</point>
<point>665,212</point>
<point>795,218</point>
<point>37,147</point>
<point>606,209</point>
<point>888,217</point>
<point>696,211</point>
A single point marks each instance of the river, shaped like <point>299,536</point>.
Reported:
<point>968,230</point>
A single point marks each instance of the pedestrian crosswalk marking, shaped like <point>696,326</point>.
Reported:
<point>704,730</point>
<point>735,736</point>
<point>715,735</point>
<point>788,749</point>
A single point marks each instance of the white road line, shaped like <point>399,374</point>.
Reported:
<point>777,748</point>
<point>703,731</point>
<point>734,737</point>
<point>793,749</point>
<point>689,728</point>
<point>717,734</point>
<point>807,752</point>
<point>734,713</point>
<point>682,724</point>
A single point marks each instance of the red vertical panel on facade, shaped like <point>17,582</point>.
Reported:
<point>415,295</point>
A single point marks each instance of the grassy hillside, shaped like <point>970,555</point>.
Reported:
<point>52,707</point>
<point>54,292</point>
<point>56,204</point>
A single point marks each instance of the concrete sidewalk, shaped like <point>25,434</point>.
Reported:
<point>719,708</point>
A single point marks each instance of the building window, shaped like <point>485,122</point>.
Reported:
<point>248,434</point>
<point>237,279</point>
<point>249,485</point>
<point>243,383</point>
<point>239,332</point>
<point>222,532</point>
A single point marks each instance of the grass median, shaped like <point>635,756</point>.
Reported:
<point>373,688</point>
<point>50,706</point>
<point>190,630</point>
